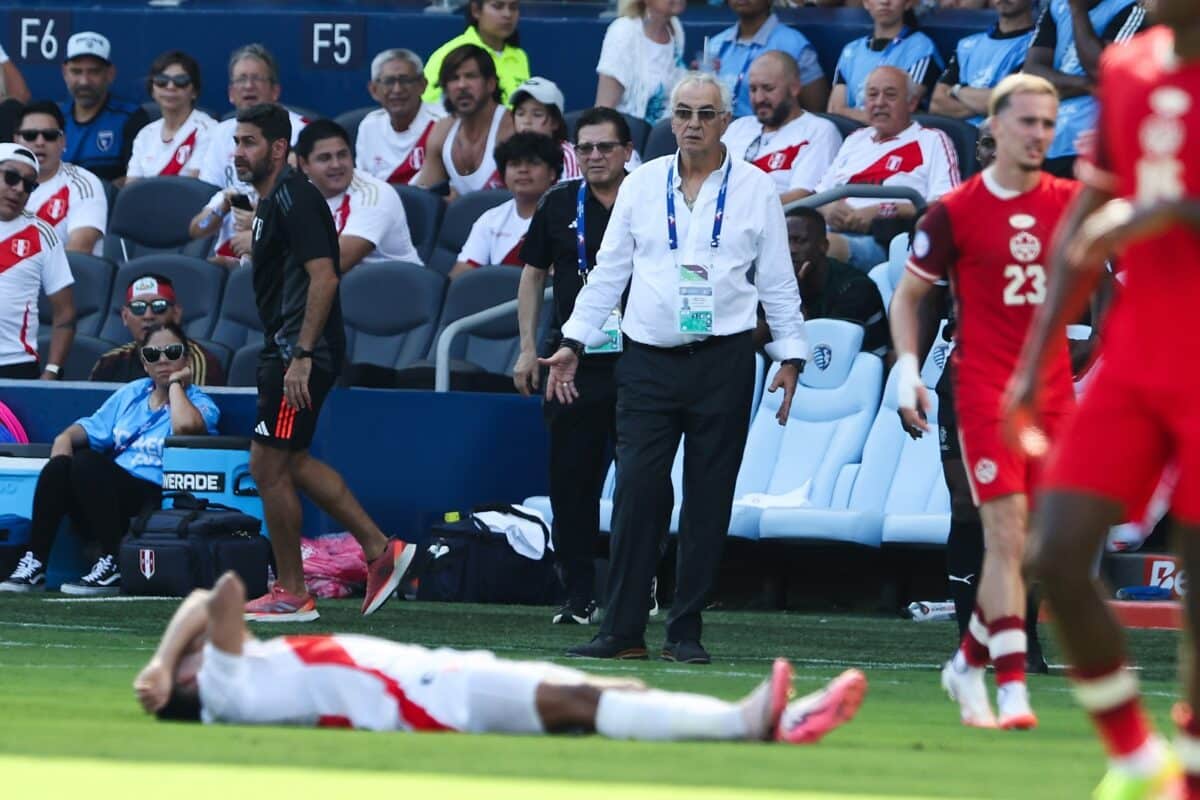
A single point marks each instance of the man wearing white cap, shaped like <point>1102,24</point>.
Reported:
<point>537,106</point>
<point>32,257</point>
<point>100,128</point>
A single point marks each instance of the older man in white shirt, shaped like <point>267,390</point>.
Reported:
<point>684,233</point>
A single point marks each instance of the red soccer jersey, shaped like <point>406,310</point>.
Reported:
<point>1149,146</point>
<point>994,246</point>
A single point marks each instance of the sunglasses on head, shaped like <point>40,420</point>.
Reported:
<point>162,80</point>
<point>31,134</point>
<point>12,178</point>
<point>139,307</point>
<point>172,352</point>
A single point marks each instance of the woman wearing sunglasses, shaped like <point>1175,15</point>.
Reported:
<point>107,467</point>
<point>174,144</point>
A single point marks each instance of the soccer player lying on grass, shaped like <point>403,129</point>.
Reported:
<point>208,667</point>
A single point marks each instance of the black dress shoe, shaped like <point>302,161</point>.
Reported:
<point>689,651</point>
<point>605,646</point>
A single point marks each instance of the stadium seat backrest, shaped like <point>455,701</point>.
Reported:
<point>85,352</point>
<point>638,129</point>
<point>456,225</point>
<point>151,215</point>
<point>424,211</point>
<point>239,323</point>
<point>350,120</point>
<point>935,360</point>
<point>845,125</point>
<point>888,274</point>
<point>963,135</point>
<point>222,353</point>
<point>198,286</point>
<point>91,292</point>
<point>832,344</point>
<point>660,141</point>
<point>494,346</point>
<point>243,370</point>
<point>391,311</point>
<point>762,443</point>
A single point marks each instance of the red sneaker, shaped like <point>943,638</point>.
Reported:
<point>384,574</point>
<point>809,718</point>
<point>280,605</point>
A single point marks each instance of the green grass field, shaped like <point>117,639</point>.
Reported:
<point>69,723</point>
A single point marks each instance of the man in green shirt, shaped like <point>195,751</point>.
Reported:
<point>492,25</point>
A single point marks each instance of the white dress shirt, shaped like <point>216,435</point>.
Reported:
<point>635,251</point>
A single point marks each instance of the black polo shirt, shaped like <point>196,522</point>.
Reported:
<point>292,225</point>
<point>551,242</point>
<point>849,294</point>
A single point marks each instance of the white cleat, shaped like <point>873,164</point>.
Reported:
<point>967,688</point>
<point>1012,701</point>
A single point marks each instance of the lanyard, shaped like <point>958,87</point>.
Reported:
<point>672,233</point>
<point>580,237</point>
<point>737,87</point>
<point>143,428</point>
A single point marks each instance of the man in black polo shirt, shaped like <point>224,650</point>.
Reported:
<point>296,273</point>
<point>830,289</point>
<point>581,432</point>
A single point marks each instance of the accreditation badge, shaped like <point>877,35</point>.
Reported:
<point>695,300</point>
<point>611,329</point>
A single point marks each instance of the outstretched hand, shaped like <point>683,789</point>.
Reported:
<point>560,383</point>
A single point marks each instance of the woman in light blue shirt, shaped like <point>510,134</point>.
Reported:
<point>107,467</point>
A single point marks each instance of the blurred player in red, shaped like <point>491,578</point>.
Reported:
<point>991,237</point>
<point>1142,409</point>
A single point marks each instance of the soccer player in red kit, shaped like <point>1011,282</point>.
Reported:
<point>991,237</point>
<point>1141,411</point>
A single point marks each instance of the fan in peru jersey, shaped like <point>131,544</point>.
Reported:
<point>530,163</point>
<point>1139,414</point>
<point>367,212</point>
<point>175,144</point>
<point>208,667</point>
<point>780,138</point>
<point>32,259</point>
<point>391,140</point>
<point>991,238</point>
<point>68,197</point>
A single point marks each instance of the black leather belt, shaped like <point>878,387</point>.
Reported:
<point>691,347</point>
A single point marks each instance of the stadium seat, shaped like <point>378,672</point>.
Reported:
<point>152,110</point>
<point>243,369</point>
<point>493,347</point>
<point>85,352</point>
<point>198,284</point>
<point>963,134</point>
<point>845,125</point>
<point>152,215</point>
<point>111,190</point>
<point>239,323</point>
<point>391,312</point>
<point>91,292</point>
<point>887,275</point>
<point>456,226</point>
<point>222,353</point>
<point>424,211</point>
<point>638,129</point>
<point>351,119</point>
<point>660,141</point>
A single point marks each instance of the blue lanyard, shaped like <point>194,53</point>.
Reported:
<point>145,426</point>
<point>580,236</point>
<point>737,87</point>
<point>718,217</point>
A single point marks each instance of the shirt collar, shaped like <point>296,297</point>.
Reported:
<point>717,171</point>
<point>875,137</point>
<point>764,33</point>
<point>472,37</point>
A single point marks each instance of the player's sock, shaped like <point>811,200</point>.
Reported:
<point>1006,646</point>
<point>973,652</point>
<point>662,716</point>
<point>1187,748</point>
<point>1110,695</point>
<point>964,557</point>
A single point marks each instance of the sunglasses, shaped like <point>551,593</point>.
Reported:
<point>31,134</point>
<point>604,148</point>
<point>139,307</point>
<point>162,80</point>
<point>12,178</point>
<point>171,352</point>
<point>685,114</point>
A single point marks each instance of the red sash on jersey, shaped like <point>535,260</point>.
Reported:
<point>226,249</point>
<point>180,156</point>
<point>513,257</point>
<point>24,244</point>
<point>342,215</point>
<point>781,159</point>
<point>902,159</point>
<point>409,168</point>
<point>55,209</point>
<point>494,182</point>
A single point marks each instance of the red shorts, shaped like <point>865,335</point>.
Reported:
<point>993,468</point>
<point>1123,437</point>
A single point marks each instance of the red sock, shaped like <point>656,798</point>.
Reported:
<point>1110,696</point>
<point>1006,645</point>
<point>974,645</point>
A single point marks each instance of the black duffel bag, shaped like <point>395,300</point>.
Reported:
<point>168,552</point>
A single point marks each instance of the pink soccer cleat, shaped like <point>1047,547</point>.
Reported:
<point>811,717</point>
<point>385,572</point>
<point>280,605</point>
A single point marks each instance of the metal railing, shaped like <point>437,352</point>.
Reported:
<point>441,376</point>
<point>859,190</point>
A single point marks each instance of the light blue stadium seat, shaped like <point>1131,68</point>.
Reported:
<point>239,323</point>
<point>198,284</point>
<point>391,311</point>
<point>151,215</point>
<point>888,274</point>
<point>456,226</point>
<point>91,292</point>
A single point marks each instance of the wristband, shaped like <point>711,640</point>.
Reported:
<point>53,369</point>
<point>908,381</point>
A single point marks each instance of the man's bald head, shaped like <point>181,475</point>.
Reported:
<point>777,63</point>
<point>775,89</point>
<point>891,99</point>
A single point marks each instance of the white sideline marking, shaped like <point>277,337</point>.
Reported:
<point>120,598</point>
<point>57,626</point>
<point>59,646</point>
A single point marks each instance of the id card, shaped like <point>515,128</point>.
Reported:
<point>695,300</point>
<point>612,329</point>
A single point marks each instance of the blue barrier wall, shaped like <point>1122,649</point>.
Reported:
<point>408,456</point>
<point>325,48</point>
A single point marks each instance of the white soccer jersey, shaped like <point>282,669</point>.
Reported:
<point>32,257</point>
<point>795,156</point>
<point>217,168</point>
<point>183,153</point>
<point>74,198</point>
<point>370,209</point>
<point>920,158</point>
<point>395,157</point>
<point>496,237</point>
<point>571,167</point>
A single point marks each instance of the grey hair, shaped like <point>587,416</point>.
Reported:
<point>910,84</point>
<point>395,54</point>
<point>259,51</point>
<point>694,78</point>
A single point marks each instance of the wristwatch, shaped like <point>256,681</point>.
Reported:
<point>798,363</point>
<point>301,352</point>
<point>573,345</point>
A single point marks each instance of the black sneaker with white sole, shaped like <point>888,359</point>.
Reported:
<point>575,614</point>
<point>103,580</point>
<point>29,576</point>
